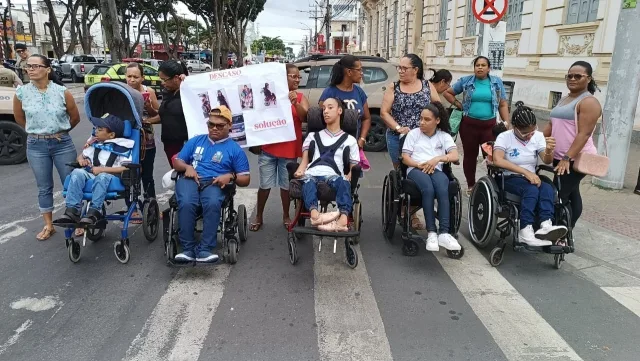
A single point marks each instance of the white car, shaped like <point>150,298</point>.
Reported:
<point>13,138</point>
<point>197,65</point>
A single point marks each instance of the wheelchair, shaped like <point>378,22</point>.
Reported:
<point>492,209</point>
<point>326,195</point>
<point>400,191</point>
<point>232,223</point>
<point>127,104</point>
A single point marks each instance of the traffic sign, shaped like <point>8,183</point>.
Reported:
<point>489,11</point>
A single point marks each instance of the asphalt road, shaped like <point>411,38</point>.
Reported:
<point>391,307</point>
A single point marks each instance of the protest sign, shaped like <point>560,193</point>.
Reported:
<point>257,96</point>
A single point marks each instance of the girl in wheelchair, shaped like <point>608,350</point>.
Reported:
<point>517,152</point>
<point>424,151</point>
<point>326,166</point>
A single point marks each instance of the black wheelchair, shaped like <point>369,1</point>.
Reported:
<point>492,209</point>
<point>326,195</point>
<point>401,193</point>
<point>232,223</point>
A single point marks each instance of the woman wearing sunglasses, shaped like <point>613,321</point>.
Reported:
<point>572,123</point>
<point>517,151</point>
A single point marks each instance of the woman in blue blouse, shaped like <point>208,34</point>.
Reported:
<point>484,97</point>
<point>47,111</point>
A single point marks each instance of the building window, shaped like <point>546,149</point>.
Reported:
<point>554,99</point>
<point>344,27</point>
<point>582,11</point>
<point>471,22</point>
<point>442,23</point>
<point>514,15</point>
<point>395,23</point>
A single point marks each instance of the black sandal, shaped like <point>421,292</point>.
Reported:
<point>91,218</point>
<point>70,215</point>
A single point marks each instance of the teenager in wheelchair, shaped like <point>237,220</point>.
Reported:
<point>206,173</point>
<point>329,172</point>
<point>425,175</point>
<point>108,169</point>
<point>515,192</point>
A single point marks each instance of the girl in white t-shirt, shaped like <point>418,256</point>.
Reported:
<point>517,152</point>
<point>424,151</point>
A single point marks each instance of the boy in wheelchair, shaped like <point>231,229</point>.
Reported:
<point>327,166</point>
<point>517,152</point>
<point>101,161</point>
<point>424,151</point>
<point>209,163</point>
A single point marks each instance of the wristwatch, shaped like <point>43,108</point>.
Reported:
<point>567,158</point>
<point>233,177</point>
<point>362,139</point>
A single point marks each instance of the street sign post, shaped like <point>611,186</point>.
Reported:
<point>489,11</point>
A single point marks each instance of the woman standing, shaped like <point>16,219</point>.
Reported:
<point>274,158</point>
<point>572,124</point>
<point>47,111</point>
<point>170,114</point>
<point>441,81</point>
<point>484,97</point>
<point>345,76</point>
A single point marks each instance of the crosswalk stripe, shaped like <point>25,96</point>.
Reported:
<point>180,322</point>
<point>349,322</point>
<point>521,333</point>
<point>629,297</point>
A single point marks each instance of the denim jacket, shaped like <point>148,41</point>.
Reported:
<point>466,85</point>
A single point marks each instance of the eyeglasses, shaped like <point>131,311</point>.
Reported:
<point>359,70</point>
<point>20,51</point>
<point>294,77</point>
<point>164,80</point>
<point>218,126</point>
<point>34,66</point>
<point>575,76</point>
<point>526,135</point>
<point>403,69</point>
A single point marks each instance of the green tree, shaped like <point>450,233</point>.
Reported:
<point>272,46</point>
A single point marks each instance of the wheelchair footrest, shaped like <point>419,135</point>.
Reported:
<point>315,232</point>
<point>545,249</point>
<point>64,224</point>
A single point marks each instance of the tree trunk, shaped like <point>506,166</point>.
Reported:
<point>7,46</point>
<point>72,12</point>
<point>112,30</point>
<point>218,10</point>
<point>55,27</point>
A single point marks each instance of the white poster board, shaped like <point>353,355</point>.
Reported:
<point>493,46</point>
<point>257,96</point>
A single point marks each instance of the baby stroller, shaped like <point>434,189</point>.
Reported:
<point>127,104</point>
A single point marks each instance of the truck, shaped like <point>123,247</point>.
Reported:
<point>75,67</point>
<point>13,138</point>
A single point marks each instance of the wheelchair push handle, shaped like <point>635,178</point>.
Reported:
<point>545,167</point>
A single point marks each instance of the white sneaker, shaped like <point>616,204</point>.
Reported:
<point>432,242</point>
<point>527,236</point>
<point>447,241</point>
<point>550,232</point>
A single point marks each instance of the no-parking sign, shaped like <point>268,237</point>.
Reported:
<point>489,11</point>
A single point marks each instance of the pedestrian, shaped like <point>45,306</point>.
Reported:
<point>170,114</point>
<point>402,104</point>
<point>47,111</point>
<point>23,55</point>
<point>273,159</point>
<point>572,124</point>
<point>8,78</point>
<point>484,97</point>
<point>441,81</point>
<point>346,74</point>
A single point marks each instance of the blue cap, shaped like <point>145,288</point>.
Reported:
<point>110,122</point>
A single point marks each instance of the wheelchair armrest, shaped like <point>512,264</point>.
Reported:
<point>291,169</point>
<point>547,168</point>
<point>175,174</point>
<point>131,165</point>
<point>494,169</point>
<point>74,165</point>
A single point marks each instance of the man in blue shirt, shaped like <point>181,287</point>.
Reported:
<point>209,163</point>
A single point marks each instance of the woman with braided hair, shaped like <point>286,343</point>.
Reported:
<point>517,152</point>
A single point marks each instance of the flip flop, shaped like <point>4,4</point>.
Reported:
<point>79,232</point>
<point>136,215</point>
<point>255,227</point>
<point>286,225</point>
<point>45,234</point>
<point>416,224</point>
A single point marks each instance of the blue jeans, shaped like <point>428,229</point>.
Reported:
<point>75,189</point>
<point>531,197</point>
<point>393,146</point>
<point>433,186</point>
<point>273,171</point>
<point>42,155</point>
<point>341,186</point>
<point>190,197</point>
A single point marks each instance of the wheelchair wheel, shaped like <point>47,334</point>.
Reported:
<point>96,234</point>
<point>483,212</point>
<point>456,254</point>
<point>232,251</point>
<point>150,219</point>
<point>171,251</point>
<point>352,254</point>
<point>357,220</point>
<point>410,248</point>
<point>557,260</point>
<point>293,252</point>
<point>495,257</point>
<point>121,250</point>
<point>74,249</point>
<point>456,213</point>
<point>389,206</point>
<point>242,223</point>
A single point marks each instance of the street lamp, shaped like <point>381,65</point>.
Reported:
<point>389,17</point>
<point>408,9</point>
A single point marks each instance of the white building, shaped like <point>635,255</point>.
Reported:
<point>544,37</point>
<point>344,26</point>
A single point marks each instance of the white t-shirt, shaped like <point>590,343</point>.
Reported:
<point>422,148</point>
<point>328,139</point>
<point>103,156</point>
<point>522,154</point>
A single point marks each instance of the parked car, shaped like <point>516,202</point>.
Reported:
<point>377,74</point>
<point>13,138</point>
<point>117,72</point>
<point>75,67</point>
<point>197,65</point>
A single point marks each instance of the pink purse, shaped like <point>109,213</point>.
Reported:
<point>592,164</point>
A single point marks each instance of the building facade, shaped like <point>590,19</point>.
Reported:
<point>544,37</point>
<point>344,26</point>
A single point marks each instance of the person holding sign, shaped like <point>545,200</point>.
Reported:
<point>273,160</point>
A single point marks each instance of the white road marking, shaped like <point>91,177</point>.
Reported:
<point>521,333</point>
<point>11,230</point>
<point>14,338</point>
<point>629,297</point>
<point>36,304</point>
<point>180,322</point>
<point>349,323</point>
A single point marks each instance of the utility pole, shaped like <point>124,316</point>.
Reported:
<point>622,99</point>
<point>32,28</point>
<point>327,20</point>
<point>13,27</point>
